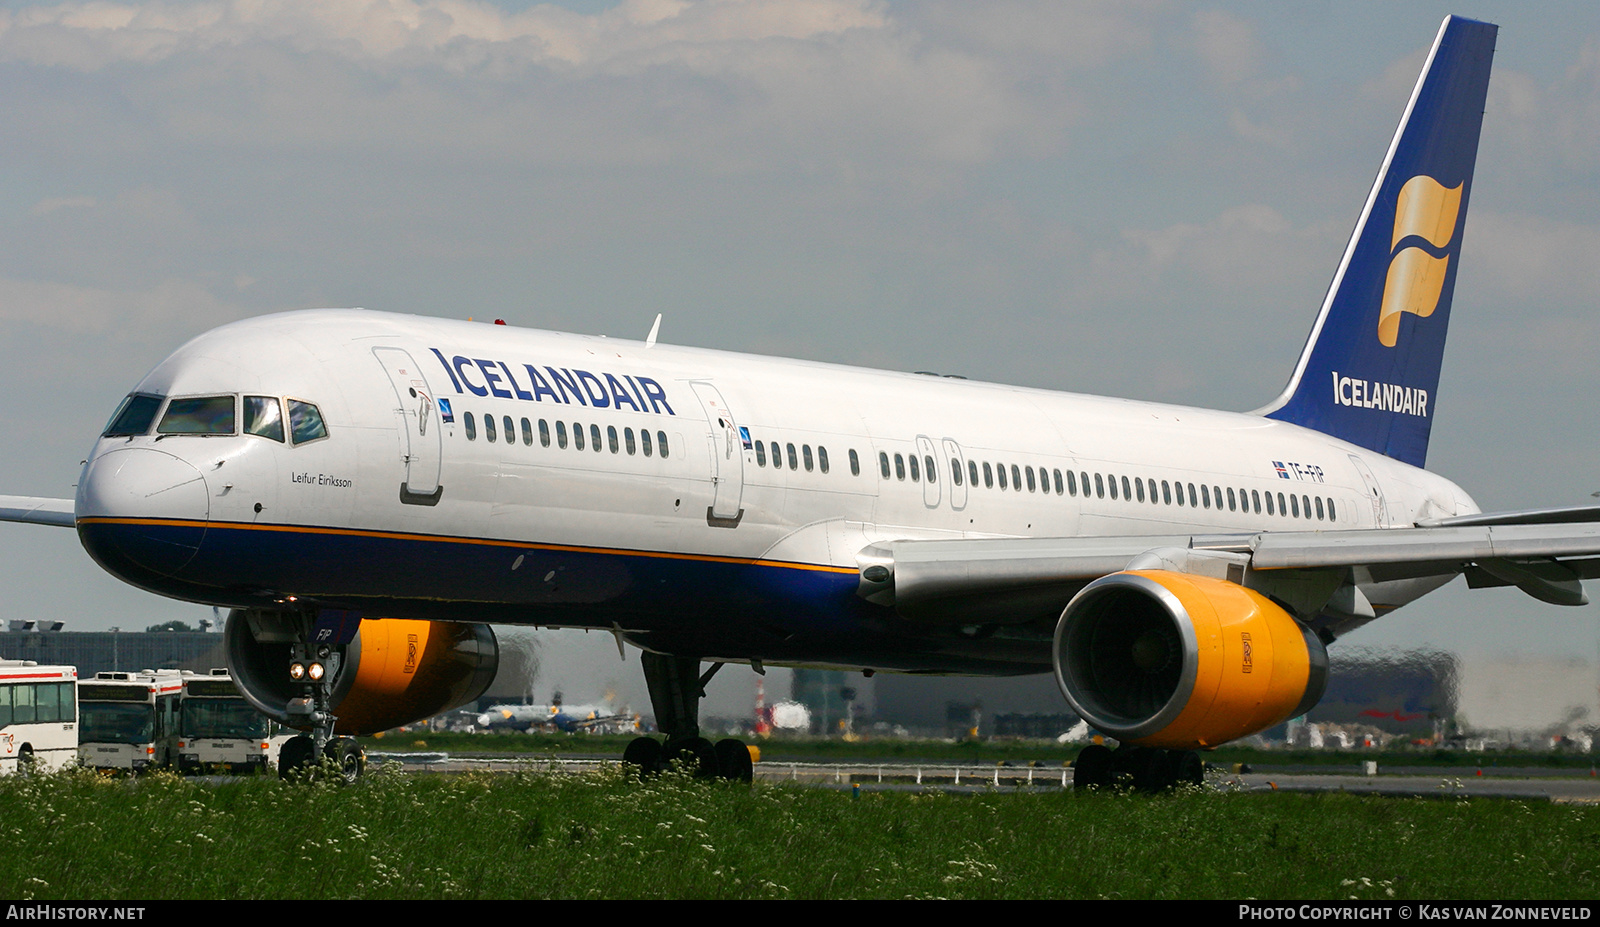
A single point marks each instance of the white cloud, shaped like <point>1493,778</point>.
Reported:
<point>151,314</point>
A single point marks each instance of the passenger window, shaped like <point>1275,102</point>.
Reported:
<point>1029,471</point>
<point>627,440</point>
<point>201,415</point>
<point>644,439</point>
<point>1255,501</point>
<point>1269,505</point>
<point>511,431</point>
<point>1331,515</point>
<point>1306,501</point>
<point>134,416</point>
<point>1002,470</point>
<point>1319,508</point>
<point>1044,480</point>
<point>794,461</point>
<point>933,475</point>
<point>883,463</point>
<point>1099,486</point>
<point>1113,481</point>
<point>611,436</point>
<point>527,433</point>
<point>544,433</point>
<point>305,422</point>
<point>1166,492</point>
<point>1072,484</point>
<point>1126,495</point>
<point>900,466</point>
<point>1058,480</point>
<point>916,472</point>
<point>972,473</point>
<point>955,471</point>
<point>1294,503</point>
<point>822,458</point>
<point>807,449</point>
<point>472,426</point>
<point>577,436</point>
<point>1138,486</point>
<point>761,453</point>
<point>488,428</point>
<point>855,463</point>
<point>777,455</point>
<point>1153,497</point>
<point>661,442</point>
<point>594,439</point>
<point>1230,499</point>
<point>263,416</point>
<point>988,476</point>
<point>1205,496</point>
<point>1016,479</point>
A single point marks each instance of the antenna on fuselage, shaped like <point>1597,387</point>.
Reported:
<point>650,339</point>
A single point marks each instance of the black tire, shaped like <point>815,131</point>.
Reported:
<point>27,763</point>
<point>733,761</point>
<point>1092,768</point>
<point>1188,768</point>
<point>348,758</point>
<point>695,752</point>
<point>1152,769</point>
<point>644,755</point>
<point>298,753</point>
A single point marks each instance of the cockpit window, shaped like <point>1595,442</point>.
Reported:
<point>198,415</point>
<point>263,416</point>
<point>133,417</point>
<point>305,422</point>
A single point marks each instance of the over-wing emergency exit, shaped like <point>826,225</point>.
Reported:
<point>370,493</point>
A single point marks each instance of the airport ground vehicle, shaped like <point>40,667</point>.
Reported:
<point>220,731</point>
<point>38,716</point>
<point>129,720</point>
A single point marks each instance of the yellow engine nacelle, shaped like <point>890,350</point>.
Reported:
<point>395,672</point>
<point>1163,659</point>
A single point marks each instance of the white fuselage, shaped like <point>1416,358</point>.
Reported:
<point>400,512</point>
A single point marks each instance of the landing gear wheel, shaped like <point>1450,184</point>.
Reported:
<point>1092,768</point>
<point>298,753</point>
<point>1188,768</point>
<point>348,758</point>
<point>698,753</point>
<point>733,761</point>
<point>1152,769</point>
<point>644,754</point>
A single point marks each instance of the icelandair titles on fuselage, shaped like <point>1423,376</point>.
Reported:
<point>1390,397</point>
<point>603,391</point>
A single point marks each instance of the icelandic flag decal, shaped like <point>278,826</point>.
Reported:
<point>1283,472</point>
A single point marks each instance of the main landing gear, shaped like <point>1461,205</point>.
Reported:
<point>676,687</point>
<point>1147,769</point>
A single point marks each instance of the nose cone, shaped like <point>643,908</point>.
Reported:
<point>142,513</point>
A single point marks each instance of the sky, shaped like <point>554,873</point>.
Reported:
<point>1139,199</point>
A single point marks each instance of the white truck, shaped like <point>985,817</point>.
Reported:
<point>218,731</point>
<point>128,722</point>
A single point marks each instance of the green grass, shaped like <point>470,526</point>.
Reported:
<point>534,834</point>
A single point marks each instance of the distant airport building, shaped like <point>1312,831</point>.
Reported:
<point>1406,693</point>
<point>951,706</point>
<point>174,645</point>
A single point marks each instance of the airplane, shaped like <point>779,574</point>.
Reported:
<point>599,718</point>
<point>368,493</point>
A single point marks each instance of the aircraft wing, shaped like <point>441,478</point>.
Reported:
<point>35,510</point>
<point>1545,553</point>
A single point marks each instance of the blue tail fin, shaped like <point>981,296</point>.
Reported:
<point>1370,369</point>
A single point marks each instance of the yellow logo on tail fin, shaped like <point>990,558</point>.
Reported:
<point>1428,210</point>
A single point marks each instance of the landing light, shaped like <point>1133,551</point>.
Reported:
<point>316,672</point>
<point>297,672</point>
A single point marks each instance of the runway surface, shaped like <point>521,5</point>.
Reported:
<point>1417,782</point>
